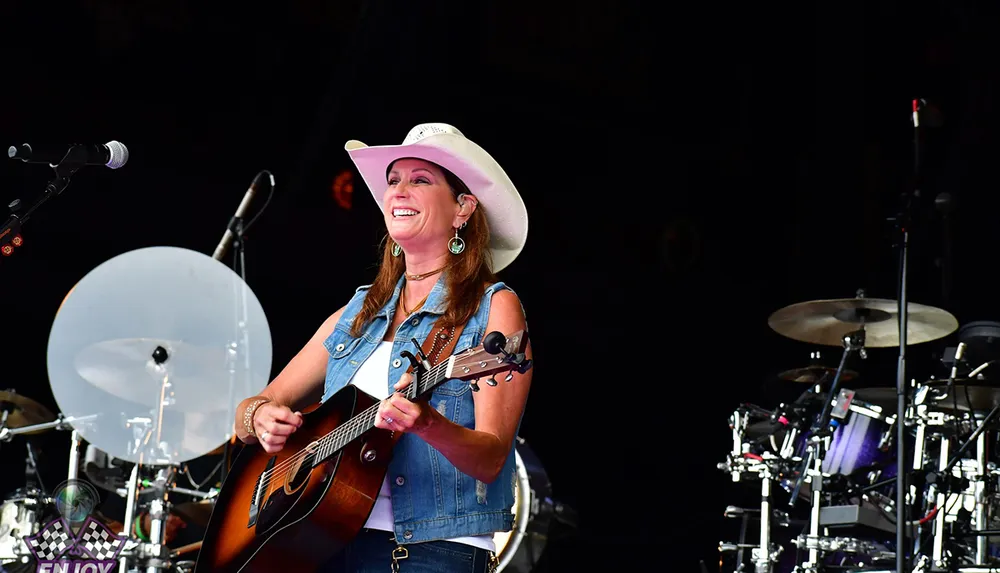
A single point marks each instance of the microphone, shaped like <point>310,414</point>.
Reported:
<point>227,237</point>
<point>111,154</point>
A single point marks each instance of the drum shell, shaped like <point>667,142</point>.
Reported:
<point>862,442</point>
<point>22,514</point>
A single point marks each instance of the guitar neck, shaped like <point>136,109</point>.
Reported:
<point>354,428</point>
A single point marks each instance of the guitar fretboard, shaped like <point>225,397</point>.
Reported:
<point>346,433</point>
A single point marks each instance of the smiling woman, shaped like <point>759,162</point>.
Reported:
<point>453,218</point>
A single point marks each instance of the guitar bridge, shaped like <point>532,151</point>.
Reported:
<point>258,499</point>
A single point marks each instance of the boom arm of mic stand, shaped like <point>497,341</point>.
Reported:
<point>10,231</point>
<point>852,341</point>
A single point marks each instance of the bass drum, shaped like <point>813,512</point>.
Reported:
<point>518,550</point>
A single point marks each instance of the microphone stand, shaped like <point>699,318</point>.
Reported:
<point>10,231</point>
<point>903,226</point>
<point>236,225</point>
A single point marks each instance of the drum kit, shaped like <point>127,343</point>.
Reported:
<point>148,356</point>
<point>826,462</point>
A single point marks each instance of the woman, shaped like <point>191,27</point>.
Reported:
<point>451,212</point>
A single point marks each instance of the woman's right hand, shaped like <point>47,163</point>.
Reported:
<point>273,424</point>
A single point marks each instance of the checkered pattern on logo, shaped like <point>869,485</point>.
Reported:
<point>51,542</point>
<point>96,540</point>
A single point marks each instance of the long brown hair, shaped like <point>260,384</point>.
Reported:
<point>466,277</point>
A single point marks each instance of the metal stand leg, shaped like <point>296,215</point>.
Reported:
<point>742,543</point>
<point>813,542</point>
<point>816,486</point>
<point>762,555</point>
<point>130,513</point>
<point>981,515</point>
<point>919,446</point>
<point>937,554</point>
<point>158,512</point>
<point>74,456</point>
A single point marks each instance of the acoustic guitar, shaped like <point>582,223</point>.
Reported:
<point>294,510</point>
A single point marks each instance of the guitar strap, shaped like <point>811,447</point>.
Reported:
<point>438,346</point>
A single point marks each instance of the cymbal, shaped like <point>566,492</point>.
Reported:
<point>151,340</point>
<point>23,411</point>
<point>813,374</point>
<point>967,394</point>
<point>195,512</point>
<point>826,322</point>
<point>127,369</point>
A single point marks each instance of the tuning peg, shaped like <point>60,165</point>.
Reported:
<point>492,381</point>
<point>474,385</point>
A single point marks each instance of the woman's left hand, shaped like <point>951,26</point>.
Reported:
<point>398,414</point>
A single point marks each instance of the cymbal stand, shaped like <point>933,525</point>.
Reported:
<point>153,554</point>
<point>981,492</point>
<point>923,420</point>
<point>74,455</point>
<point>132,498</point>
<point>159,509</point>
<point>812,464</point>
<point>937,551</point>
<point>60,423</point>
<point>764,555</point>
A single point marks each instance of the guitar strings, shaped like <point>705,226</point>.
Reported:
<point>357,422</point>
<point>365,418</point>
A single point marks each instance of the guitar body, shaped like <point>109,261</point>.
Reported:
<point>304,515</point>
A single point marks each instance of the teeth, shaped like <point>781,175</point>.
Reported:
<point>403,212</point>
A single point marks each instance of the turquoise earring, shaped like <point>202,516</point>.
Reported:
<point>396,250</point>
<point>456,245</point>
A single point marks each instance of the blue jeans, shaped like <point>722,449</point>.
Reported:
<point>372,551</point>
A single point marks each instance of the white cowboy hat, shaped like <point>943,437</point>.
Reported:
<point>445,145</point>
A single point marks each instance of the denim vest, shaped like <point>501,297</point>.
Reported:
<point>431,499</point>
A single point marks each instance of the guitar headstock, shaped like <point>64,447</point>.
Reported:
<point>497,353</point>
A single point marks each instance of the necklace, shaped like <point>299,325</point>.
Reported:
<point>410,277</point>
<point>402,301</point>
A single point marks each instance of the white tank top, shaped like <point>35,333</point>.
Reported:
<point>372,378</point>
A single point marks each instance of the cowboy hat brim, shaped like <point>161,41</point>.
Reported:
<point>505,211</point>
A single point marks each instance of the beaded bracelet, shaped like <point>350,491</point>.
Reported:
<point>249,412</point>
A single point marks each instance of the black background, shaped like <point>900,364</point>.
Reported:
<point>687,171</point>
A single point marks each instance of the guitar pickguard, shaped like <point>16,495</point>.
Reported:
<point>282,485</point>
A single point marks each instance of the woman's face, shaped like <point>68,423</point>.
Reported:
<point>420,207</point>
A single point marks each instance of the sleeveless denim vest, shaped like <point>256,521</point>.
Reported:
<point>431,499</point>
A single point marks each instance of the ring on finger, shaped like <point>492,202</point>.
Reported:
<point>387,419</point>
<point>265,435</point>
